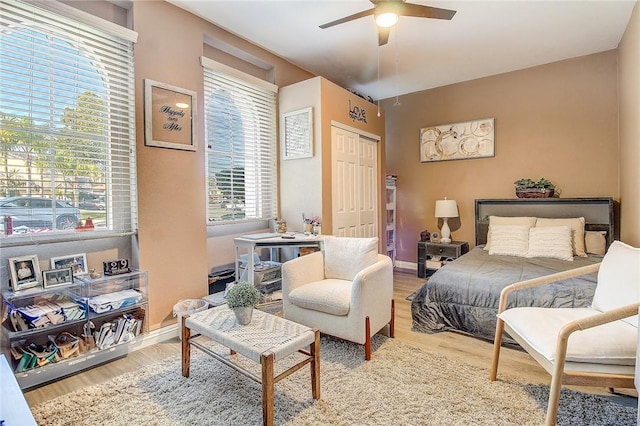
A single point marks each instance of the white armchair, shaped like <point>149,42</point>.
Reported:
<point>593,346</point>
<point>345,290</point>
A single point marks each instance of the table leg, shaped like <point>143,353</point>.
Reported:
<point>266,360</point>
<point>314,349</point>
<point>186,348</point>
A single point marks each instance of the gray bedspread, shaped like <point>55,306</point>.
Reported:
<point>464,294</point>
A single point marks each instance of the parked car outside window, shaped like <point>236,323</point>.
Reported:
<point>38,212</point>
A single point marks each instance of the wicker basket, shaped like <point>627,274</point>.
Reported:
<point>534,193</point>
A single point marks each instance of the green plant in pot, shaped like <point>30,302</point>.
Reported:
<point>528,188</point>
<point>241,298</point>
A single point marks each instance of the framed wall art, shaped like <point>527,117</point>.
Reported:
<point>25,272</point>
<point>77,262</point>
<point>458,141</point>
<point>297,134</point>
<point>169,116</point>
<point>56,277</point>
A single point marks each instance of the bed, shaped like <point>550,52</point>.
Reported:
<point>463,295</point>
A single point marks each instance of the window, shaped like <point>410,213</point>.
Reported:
<point>240,128</point>
<point>66,120</point>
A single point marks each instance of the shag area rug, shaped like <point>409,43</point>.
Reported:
<point>401,385</point>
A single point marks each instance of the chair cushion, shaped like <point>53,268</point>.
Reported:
<point>618,279</point>
<point>612,343</point>
<point>344,257</point>
<point>331,296</point>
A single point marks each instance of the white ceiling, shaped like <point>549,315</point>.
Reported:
<point>483,38</point>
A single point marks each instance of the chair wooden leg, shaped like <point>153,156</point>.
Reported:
<point>497,342</point>
<point>367,340</point>
<point>392,323</point>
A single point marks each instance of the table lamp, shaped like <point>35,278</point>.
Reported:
<point>446,209</point>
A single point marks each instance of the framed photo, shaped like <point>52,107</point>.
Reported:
<point>458,141</point>
<point>297,134</point>
<point>56,277</point>
<point>25,272</point>
<point>77,263</point>
<point>169,116</point>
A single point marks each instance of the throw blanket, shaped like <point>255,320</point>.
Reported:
<point>464,294</point>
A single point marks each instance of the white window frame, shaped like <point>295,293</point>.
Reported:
<point>256,208</point>
<point>52,18</point>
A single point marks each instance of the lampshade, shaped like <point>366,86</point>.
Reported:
<point>446,208</point>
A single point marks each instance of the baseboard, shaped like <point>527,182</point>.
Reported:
<point>158,336</point>
<point>410,266</point>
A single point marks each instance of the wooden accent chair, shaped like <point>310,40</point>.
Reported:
<point>593,346</point>
<point>345,290</point>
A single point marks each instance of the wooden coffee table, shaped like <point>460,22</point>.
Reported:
<point>266,340</point>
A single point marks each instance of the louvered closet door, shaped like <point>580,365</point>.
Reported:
<point>354,184</point>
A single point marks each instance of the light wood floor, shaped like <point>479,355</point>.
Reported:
<point>457,346</point>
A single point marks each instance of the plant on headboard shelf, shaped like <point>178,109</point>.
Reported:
<point>527,188</point>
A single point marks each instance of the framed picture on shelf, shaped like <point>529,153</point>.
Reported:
<point>77,262</point>
<point>56,277</point>
<point>25,272</point>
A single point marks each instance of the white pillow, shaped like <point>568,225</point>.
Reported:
<point>595,242</point>
<point>503,220</point>
<point>344,257</point>
<point>509,240</point>
<point>577,227</point>
<point>551,241</point>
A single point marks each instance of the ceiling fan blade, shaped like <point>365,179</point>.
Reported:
<point>348,18</point>
<point>420,11</point>
<point>383,35</point>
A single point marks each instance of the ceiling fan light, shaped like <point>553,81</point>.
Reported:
<point>387,19</point>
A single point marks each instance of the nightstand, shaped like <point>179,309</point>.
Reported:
<point>432,255</point>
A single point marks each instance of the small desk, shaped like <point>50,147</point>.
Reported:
<point>249,244</point>
<point>265,340</point>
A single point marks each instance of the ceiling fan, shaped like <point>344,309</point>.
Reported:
<point>387,12</point>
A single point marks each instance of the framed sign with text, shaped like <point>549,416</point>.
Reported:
<point>169,116</point>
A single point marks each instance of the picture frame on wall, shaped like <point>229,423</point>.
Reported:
<point>24,272</point>
<point>297,134</point>
<point>77,263</point>
<point>57,277</point>
<point>458,141</point>
<point>169,116</point>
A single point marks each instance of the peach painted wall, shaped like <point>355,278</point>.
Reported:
<point>558,121</point>
<point>629,89</point>
<point>172,237</point>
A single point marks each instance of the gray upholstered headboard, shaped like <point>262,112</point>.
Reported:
<point>600,214</point>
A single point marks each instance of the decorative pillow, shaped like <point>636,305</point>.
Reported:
<point>595,242</point>
<point>344,257</point>
<point>509,240</point>
<point>577,227</point>
<point>501,220</point>
<point>551,241</point>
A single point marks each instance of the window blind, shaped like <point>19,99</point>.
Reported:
<point>240,128</point>
<point>67,122</point>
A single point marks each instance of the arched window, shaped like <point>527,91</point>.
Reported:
<point>240,131</point>
<point>66,122</point>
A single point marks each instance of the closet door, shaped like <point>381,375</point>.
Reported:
<point>367,187</point>
<point>354,184</point>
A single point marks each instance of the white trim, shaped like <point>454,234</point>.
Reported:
<point>374,138</point>
<point>217,66</point>
<point>406,265</point>
<point>157,336</point>
<point>86,18</point>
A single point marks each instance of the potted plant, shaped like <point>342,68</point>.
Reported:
<point>241,298</point>
<point>527,188</point>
